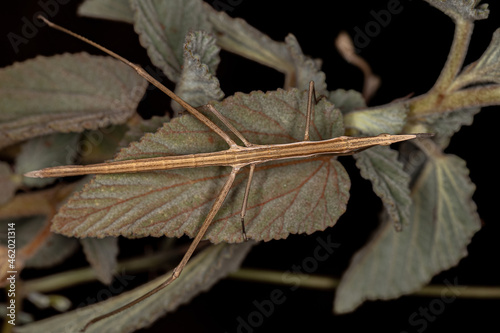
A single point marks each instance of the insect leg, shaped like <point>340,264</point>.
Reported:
<point>228,125</point>
<point>177,270</point>
<point>245,201</point>
<point>310,109</point>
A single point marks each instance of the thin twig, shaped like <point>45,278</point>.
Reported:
<point>321,282</point>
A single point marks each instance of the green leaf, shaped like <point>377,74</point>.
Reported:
<point>444,125</point>
<point>347,100</point>
<point>7,183</point>
<point>306,69</point>
<point>101,254</point>
<point>137,130</point>
<point>237,36</point>
<point>443,221</point>
<point>116,10</point>
<point>162,27</point>
<point>388,118</point>
<point>65,93</point>
<point>487,68</point>
<point>46,151</point>
<point>200,274</point>
<point>390,182</point>
<point>198,84</point>
<point>296,196</point>
<point>462,9</point>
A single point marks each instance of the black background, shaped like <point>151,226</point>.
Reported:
<point>408,54</point>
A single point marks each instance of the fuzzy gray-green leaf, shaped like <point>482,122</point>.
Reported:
<point>347,100</point>
<point>296,196</point>
<point>162,27</point>
<point>65,93</point>
<point>388,118</point>
<point>462,9</point>
<point>101,254</point>
<point>444,125</point>
<point>487,68</point>
<point>443,221</point>
<point>116,10</point>
<point>46,151</point>
<point>237,36</point>
<point>390,182</point>
<point>200,274</point>
<point>306,69</point>
<point>137,130</point>
<point>198,84</point>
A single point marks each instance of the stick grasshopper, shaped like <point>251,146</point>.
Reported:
<point>236,157</point>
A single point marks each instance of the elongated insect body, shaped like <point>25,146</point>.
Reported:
<point>236,157</point>
<point>241,156</point>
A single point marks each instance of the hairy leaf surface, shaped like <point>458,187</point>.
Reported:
<point>444,125</point>
<point>201,273</point>
<point>462,9</point>
<point>390,182</point>
<point>487,68</point>
<point>101,254</point>
<point>65,93</point>
<point>237,36</point>
<point>289,196</point>
<point>162,27</point>
<point>443,221</point>
<point>116,10</point>
<point>383,119</point>
<point>46,151</point>
<point>198,84</point>
<point>346,100</point>
<point>306,68</point>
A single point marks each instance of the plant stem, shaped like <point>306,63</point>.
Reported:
<point>466,98</point>
<point>276,277</point>
<point>329,283</point>
<point>75,277</point>
<point>456,56</point>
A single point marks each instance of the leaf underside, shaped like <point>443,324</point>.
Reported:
<point>288,196</point>
<point>46,151</point>
<point>101,254</point>
<point>115,10</point>
<point>65,93</point>
<point>390,182</point>
<point>198,84</point>
<point>442,223</point>
<point>162,27</point>
<point>201,273</point>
